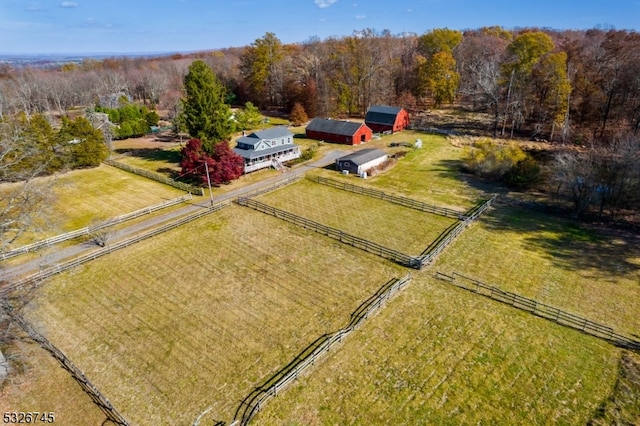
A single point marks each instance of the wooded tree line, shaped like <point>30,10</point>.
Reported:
<point>571,86</point>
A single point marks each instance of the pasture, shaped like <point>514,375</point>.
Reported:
<point>192,319</point>
<point>195,318</point>
<point>442,356</point>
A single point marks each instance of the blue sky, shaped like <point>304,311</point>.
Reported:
<point>139,26</point>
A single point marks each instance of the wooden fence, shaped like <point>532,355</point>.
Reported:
<point>403,201</point>
<point>252,403</point>
<point>343,237</point>
<point>541,310</point>
<point>77,374</point>
<point>272,187</point>
<point>34,281</point>
<point>90,229</point>
<point>452,232</point>
<point>156,176</point>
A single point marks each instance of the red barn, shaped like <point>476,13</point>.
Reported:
<point>338,131</point>
<point>382,118</point>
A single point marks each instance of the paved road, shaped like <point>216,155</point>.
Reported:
<point>55,255</point>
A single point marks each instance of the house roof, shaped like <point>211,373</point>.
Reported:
<point>382,114</point>
<point>250,154</point>
<point>363,156</point>
<point>336,127</point>
<point>269,134</point>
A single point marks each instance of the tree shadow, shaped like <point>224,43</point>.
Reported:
<point>154,154</point>
<point>568,243</point>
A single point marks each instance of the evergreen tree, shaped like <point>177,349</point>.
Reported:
<point>205,114</point>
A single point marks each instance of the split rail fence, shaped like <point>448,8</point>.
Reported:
<point>155,176</point>
<point>34,281</point>
<point>541,310</point>
<point>251,404</point>
<point>336,234</point>
<point>90,229</point>
<point>450,234</point>
<point>98,398</point>
<point>403,201</point>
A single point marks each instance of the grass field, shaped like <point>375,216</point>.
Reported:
<point>400,228</point>
<point>92,195</point>
<point>194,318</point>
<point>440,356</point>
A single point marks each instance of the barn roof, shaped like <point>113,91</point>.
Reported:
<point>336,127</point>
<point>382,114</point>
<point>363,156</point>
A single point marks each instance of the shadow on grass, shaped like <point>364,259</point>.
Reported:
<point>154,154</point>
<point>568,244</point>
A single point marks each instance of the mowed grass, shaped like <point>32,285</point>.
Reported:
<point>195,318</point>
<point>555,261</point>
<point>438,355</point>
<point>430,174</point>
<point>406,230</point>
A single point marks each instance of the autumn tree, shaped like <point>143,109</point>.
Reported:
<point>258,66</point>
<point>205,114</point>
<point>525,52</point>
<point>298,115</point>
<point>436,65</point>
<point>223,165</point>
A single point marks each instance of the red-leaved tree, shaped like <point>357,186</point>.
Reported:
<point>224,165</point>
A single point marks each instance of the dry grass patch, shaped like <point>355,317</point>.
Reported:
<point>390,225</point>
<point>438,355</point>
<point>196,317</point>
<point>44,386</point>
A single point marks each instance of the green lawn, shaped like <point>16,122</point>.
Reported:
<point>441,356</point>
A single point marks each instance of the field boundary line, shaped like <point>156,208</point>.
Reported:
<point>403,201</point>
<point>540,309</point>
<point>253,402</point>
<point>155,176</point>
<point>444,239</point>
<point>90,229</point>
<point>35,280</point>
<point>89,388</point>
<point>273,186</point>
<point>336,234</point>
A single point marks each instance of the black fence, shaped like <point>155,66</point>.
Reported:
<point>98,398</point>
<point>252,403</point>
<point>343,237</point>
<point>403,201</point>
<point>541,310</point>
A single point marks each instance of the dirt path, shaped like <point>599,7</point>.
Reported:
<point>56,256</point>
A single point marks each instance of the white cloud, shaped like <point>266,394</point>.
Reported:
<point>68,4</point>
<point>361,16</point>
<point>323,4</point>
<point>409,10</point>
<point>33,8</point>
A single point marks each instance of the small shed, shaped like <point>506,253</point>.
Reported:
<point>361,161</point>
<point>338,131</point>
<point>383,118</point>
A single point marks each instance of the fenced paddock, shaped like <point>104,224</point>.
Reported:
<point>155,176</point>
<point>541,309</point>
<point>195,317</point>
<point>386,224</point>
<point>437,355</point>
<point>252,403</point>
<point>88,230</point>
